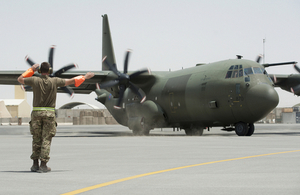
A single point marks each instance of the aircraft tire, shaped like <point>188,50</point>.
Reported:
<point>146,132</point>
<point>241,129</point>
<point>198,132</point>
<point>188,132</point>
<point>251,129</point>
<point>193,132</point>
<point>138,132</point>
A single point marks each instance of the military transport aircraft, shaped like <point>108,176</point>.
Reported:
<point>232,94</point>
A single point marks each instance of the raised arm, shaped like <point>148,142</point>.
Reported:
<point>79,79</point>
<point>28,73</point>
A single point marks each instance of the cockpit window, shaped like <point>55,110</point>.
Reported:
<point>228,75</point>
<point>265,72</point>
<point>235,74</point>
<point>241,72</point>
<point>248,71</point>
<point>234,71</point>
<point>257,70</point>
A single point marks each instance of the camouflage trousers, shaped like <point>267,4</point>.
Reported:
<point>42,129</point>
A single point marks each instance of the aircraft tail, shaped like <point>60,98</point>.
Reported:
<point>107,46</point>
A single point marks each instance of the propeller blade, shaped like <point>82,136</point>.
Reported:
<point>274,79</point>
<point>135,89</point>
<point>137,73</point>
<point>296,90</point>
<point>111,67</point>
<point>50,60</point>
<point>258,59</point>
<point>64,69</point>
<point>109,84</point>
<point>29,61</point>
<point>121,95</point>
<point>126,62</point>
<point>68,90</point>
<point>278,64</point>
<point>297,68</point>
<point>97,86</point>
<point>123,80</point>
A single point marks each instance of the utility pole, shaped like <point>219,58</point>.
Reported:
<point>264,54</point>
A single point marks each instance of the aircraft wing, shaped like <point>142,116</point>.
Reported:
<point>10,78</point>
<point>290,83</point>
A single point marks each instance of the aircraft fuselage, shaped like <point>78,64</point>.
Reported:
<point>217,94</point>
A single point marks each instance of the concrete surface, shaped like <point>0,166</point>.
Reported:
<point>84,156</point>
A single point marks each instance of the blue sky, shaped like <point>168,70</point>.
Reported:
<point>163,34</point>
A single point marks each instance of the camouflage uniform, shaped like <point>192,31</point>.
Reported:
<point>42,124</point>
<point>42,129</point>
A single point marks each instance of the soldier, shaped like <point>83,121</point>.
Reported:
<point>43,124</point>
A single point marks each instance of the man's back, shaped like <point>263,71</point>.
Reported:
<point>44,90</point>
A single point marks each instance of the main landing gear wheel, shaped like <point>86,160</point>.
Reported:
<point>251,129</point>
<point>138,132</point>
<point>241,129</point>
<point>193,131</point>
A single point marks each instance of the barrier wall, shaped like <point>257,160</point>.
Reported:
<point>85,117</point>
<point>71,116</point>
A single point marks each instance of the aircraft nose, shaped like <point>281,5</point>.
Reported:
<point>261,100</point>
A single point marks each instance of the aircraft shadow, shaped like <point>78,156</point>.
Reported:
<point>162,134</point>
<point>109,134</point>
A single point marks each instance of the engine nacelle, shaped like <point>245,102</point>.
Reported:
<point>145,116</point>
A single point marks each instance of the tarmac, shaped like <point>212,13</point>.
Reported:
<point>108,159</point>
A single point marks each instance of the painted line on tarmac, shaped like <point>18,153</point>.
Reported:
<point>166,170</point>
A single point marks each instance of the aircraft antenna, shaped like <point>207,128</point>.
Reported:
<point>264,54</point>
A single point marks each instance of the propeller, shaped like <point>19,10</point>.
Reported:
<point>279,64</point>
<point>296,89</point>
<point>293,78</point>
<point>57,73</point>
<point>296,67</point>
<point>123,81</point>
<point>258,59</point>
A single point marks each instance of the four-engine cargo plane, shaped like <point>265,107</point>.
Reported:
<point>232,94</point>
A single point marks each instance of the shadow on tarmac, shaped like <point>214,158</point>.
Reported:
<point>162,134</point>
<point>32,172</point>
<point>120,131</point>
<point>110,134</point>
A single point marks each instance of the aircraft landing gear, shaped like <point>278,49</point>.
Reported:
<point>242,129</point>
<point>138,126</point>
<point>138,132</point>
<point>193,131</point>
<point>251,129</point>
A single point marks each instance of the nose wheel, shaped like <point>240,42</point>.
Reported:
<point>243,129</point>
